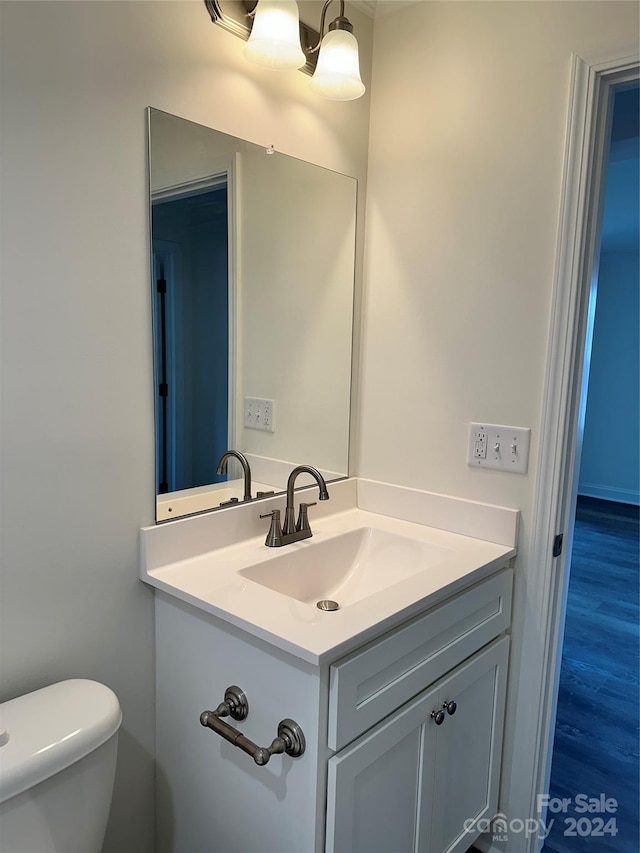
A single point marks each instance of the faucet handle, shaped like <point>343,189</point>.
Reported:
<point>303,517</point>
<point>274,536</point>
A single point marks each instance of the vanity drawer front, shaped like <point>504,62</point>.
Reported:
<point>372,682</point>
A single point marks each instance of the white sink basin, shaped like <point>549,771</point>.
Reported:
<point>345,568</point>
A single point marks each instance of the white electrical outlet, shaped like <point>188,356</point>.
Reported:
<point>505,448</point>
<point>259,414</point>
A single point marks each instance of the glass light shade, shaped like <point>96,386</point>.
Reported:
<point>275,37</point>
<point>337,74</point>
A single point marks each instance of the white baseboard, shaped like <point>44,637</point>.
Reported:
<point>609,493</point>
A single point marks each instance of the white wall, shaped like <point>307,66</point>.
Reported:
<point>469,111</point>
<point>610,460</point>
<point>297,229</point>
<point>610,463</point>
<point>77,407</point>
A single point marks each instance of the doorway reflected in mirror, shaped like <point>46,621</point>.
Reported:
<point>189,241</point>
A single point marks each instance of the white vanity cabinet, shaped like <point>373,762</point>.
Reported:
<point>411,783</point>
<point>378,772</point>
<point>432,762</point>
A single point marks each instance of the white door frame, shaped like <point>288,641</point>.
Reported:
<point>172,257</point>
<point>592,85</point>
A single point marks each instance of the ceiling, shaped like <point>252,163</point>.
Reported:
<point>378,8</point>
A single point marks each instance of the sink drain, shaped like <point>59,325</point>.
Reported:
<point>327,604</point>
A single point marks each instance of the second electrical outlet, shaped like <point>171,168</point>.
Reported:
<point>258,414</point>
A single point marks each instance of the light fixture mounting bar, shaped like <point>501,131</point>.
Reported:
<point>235,17</point>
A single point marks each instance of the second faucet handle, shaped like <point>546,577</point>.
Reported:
<point>274,536</point>
<point>303,517</point>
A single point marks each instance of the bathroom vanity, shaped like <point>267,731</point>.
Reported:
<point>399,693</point>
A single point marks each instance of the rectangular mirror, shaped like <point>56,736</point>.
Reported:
<point>253,257</point>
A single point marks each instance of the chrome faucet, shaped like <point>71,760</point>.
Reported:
<point>242,459</point>
<point>293,531</point>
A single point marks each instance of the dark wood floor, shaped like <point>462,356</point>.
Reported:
<point>596,739</point>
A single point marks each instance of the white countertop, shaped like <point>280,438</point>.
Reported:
<point>210,581</point>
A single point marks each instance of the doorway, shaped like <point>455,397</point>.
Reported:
<point>592,86</point>
<point>191,336</point>
<point>595,753</point>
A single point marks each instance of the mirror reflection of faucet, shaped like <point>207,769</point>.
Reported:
<point>242,459</point>
<point>293,531</point>
<point>230,502</point>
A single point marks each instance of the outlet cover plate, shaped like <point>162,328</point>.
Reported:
<point>504,448</point>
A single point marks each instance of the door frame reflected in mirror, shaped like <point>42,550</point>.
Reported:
<point>174,499</point>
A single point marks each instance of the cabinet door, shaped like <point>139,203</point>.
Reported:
<point>469,747</point>
<point>374,787</point>
<point>411,786</point>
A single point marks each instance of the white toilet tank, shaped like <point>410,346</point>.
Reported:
<point>58,751</point>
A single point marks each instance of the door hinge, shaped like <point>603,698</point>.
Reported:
<point>557,545</point>
<point>163,389</point>
<point>161,284</point>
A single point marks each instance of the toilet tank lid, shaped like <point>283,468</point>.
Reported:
<point>52,728</point>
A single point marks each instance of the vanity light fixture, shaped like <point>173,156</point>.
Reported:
<point>277,40</point>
